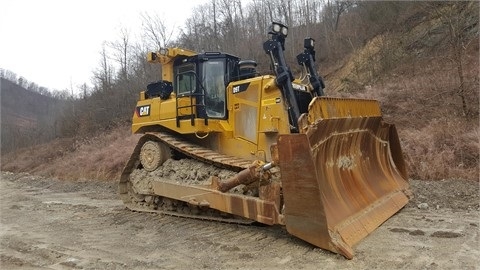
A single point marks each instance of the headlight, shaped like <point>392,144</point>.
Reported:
<point>276,28</point>
<point>279,28</point>
<point>163,51</point>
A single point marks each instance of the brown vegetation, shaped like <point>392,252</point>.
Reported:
<point>100,157</point>
<point>419,59</point>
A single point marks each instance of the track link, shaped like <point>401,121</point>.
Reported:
<point>201,153</point>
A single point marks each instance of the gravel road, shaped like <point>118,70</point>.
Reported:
<point>55,224</point>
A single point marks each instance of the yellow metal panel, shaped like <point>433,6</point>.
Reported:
<point>242,119</point>
<point>198,127</point>
<point>244,116</point>
<point>167,110</point>
<point>184,102</point>
<point>246,123</point>
<point>329,108</point>
<point>252,92</point>
<point>167,60</point>
<point>145,113</point>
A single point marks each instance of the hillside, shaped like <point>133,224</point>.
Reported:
<point>424,74</point>
<point>27,117</point>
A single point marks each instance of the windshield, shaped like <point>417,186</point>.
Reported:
<point>214,84</point>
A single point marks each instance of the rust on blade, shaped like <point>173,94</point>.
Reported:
<point>352,180</point>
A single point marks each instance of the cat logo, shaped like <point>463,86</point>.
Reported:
<point>143,110</point>
<point>240,88</point>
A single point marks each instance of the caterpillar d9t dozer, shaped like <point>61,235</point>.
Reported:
<point>222,142</point>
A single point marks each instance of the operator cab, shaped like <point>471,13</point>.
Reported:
<point>205,77</point>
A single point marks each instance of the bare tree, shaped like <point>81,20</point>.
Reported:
<point>460,18</point>
<point>156,31</point>
<point>121,50</point>
<point>103,76</point>
<point>8,75</point>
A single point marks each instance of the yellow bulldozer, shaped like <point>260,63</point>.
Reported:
<point>271,149</point>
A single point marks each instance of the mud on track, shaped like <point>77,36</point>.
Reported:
<point>52,224</point>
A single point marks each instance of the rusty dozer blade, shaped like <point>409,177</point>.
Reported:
<point>341,179</point>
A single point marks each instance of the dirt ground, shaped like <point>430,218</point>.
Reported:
<point>53,224</point>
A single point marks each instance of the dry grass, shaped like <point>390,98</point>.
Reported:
<point>442,150</point>
<point>420,97</point>
<point>101,157</point>
<point>31,157</point>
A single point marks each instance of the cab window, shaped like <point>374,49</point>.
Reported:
<point>214,85</point>
<point>185,79</point>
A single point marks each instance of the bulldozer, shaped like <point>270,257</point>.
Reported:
<point>270,149</point>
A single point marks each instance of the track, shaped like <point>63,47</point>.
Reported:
<point>133,176</point>
<point>53,224</point>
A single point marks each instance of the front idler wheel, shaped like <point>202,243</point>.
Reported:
<point>153,154</point>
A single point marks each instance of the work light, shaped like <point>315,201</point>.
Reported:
<point>163,51</point>
<point>308,43</point>
<point>279,29</point>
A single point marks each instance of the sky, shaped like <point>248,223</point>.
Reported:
<point>57,44</point>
